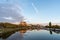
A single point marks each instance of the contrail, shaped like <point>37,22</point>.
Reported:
<point>19,8</point>
<point>36,10</point>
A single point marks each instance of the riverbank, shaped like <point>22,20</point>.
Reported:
<point>7,30</point>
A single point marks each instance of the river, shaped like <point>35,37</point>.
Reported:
<point>35,34</point>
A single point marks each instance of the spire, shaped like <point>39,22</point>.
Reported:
<point>50,24</point>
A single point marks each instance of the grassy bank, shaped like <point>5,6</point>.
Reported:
<point>7,31</point>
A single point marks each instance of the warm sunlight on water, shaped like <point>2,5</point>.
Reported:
<point>34,35</point>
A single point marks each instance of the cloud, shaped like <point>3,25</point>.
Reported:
<point>8,18</point>
<point>10,13</point>
<point>36,10</point>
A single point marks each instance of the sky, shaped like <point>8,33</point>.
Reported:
<point>32,11</point>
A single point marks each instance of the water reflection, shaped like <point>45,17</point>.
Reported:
<point>17,36</point>
<point>57,31</point>
<point>50,31</point>
<point>34,35</point>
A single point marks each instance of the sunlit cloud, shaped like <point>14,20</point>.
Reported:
<point>35,8</point>
<point>8,18</point>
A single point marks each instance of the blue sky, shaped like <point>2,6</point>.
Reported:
<point>37,11</point>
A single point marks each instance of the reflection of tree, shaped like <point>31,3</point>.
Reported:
<point>16,36</point>
<point>50,31</point>
<point>11,35</point>
<point>54,30</point>
<point>7,34</point>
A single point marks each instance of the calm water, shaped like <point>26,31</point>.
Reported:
<point>35,35</point>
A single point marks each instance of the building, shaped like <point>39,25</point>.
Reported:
<point>23,23</point>
<point>50,24</point>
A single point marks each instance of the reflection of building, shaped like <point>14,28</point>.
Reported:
<point>15,36</point>
<point>23,31</point>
